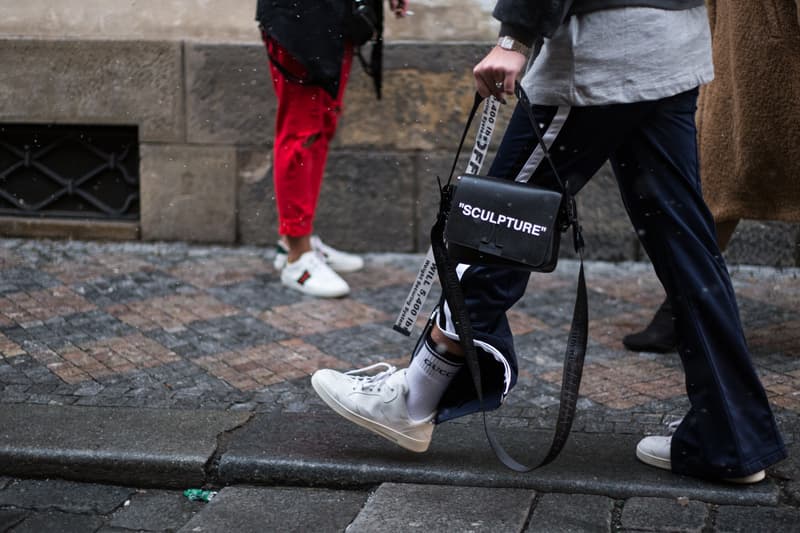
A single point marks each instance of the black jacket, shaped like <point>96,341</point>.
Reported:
<point>312,31</point>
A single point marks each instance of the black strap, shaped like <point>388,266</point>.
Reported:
<point>374,67</point>
<point>578,335</point>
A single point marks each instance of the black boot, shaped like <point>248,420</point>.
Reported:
<point>658,336</point>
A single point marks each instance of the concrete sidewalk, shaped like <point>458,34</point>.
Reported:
<point>173,366</point>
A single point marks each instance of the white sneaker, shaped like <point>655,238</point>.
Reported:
<point>655,451</point>
<point>375,402</point>
<point>310,275</point>
<point>336,259</point>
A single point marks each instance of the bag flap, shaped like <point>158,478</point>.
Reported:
<point>512,220</point>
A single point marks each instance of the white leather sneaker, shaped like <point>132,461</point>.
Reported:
<point>336,259</point>
<point>310,275</point>
<point>655,451</point>
<point>376,402</point>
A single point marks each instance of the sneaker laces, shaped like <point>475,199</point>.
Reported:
<point>314,261</point>
<point>319,246</point>
<point>672,427</point>
<point>373,381</point>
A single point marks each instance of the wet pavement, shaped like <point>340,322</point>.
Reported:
<point>173,329</point>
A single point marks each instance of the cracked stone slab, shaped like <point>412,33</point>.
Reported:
<point>439,509</point>
<point>249,509</point>
<point>65,496</point>
<point>139,447</point>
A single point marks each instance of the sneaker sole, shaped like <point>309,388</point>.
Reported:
<point>409,443</point>
<point>300,288</point>
<point>747,480</point>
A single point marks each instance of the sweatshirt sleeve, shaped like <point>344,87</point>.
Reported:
<point>528,20</point>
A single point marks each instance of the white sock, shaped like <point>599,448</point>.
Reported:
<point>428,377</point>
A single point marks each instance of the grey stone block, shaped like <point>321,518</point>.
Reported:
<point>246,510</point>
<point>230,99</point>
<point>256,213</point>
<point>426,95</point>
<point>424,105</point>
<point>367,202</point>
<point>155,510</point>
<point>58,523</point>
<point>742,519</point>
<point>572,513</point>
<point>126,446</point>
<point>9,518</point>
<point>775,244</point>
<point>188,193</point>
<point>94,82</point>
<point>64,496</point>
<point>398,507</point>
<point>662,514</point>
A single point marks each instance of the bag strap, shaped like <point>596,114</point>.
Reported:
<point>374,67</point>
<point>576,341</point>
<point>525,102</point>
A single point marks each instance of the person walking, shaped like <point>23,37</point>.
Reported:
<point>310,54</point>
<point>616,80</point>
<point>748,129</point>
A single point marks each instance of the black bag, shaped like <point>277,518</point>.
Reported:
<point>364,24</point>
<point>504,223</point>
<point>363,21</point>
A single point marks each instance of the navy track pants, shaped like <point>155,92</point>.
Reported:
<point>729,430</point>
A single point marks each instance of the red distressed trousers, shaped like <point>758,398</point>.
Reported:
<point>305,124</point>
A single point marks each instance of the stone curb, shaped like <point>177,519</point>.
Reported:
<point>189,448</point>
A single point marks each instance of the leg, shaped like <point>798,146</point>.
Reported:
<point>303,128</point>
<point>730,430</point>
<point>299,122</point>
<point>579,140</point>
<point>659,335</point>
<point>381,403</point>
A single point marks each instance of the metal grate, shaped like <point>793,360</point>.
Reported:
<point>69,171</point>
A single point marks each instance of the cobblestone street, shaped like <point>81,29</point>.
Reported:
<point>193,356</point>
<point>156,325</point>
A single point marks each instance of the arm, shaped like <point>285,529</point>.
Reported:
<point>399,8</point>
<point>526,22</point>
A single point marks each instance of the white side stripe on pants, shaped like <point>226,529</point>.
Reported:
<point>549,138</point>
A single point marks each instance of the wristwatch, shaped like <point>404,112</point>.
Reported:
<point>509,43</point>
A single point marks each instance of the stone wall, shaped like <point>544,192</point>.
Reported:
<point>202,103</point>
<point>219,20</point>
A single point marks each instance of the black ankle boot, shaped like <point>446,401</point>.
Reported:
<point>658,336</point>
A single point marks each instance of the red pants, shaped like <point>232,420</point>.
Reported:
<point>304,126</point>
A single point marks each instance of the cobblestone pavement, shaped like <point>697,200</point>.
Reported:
<point>178,326</point>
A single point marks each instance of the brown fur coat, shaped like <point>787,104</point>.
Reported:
<point>749,116</point>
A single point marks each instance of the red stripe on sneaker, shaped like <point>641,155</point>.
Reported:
<point>305,277</point>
